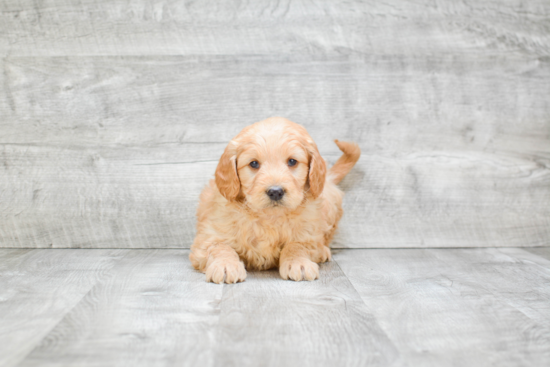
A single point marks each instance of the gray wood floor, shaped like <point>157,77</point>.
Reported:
<point>113,114</point>
<point>372,307</point>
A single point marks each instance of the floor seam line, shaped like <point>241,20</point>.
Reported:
<point>68,312</point>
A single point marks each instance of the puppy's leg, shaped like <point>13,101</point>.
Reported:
<point>219,261</point>
<point>224,265</point>
<point>322,254</point>
<point>295,261</point>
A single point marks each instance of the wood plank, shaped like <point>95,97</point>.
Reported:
<point>456,307</point>
<point>270,322</point>
<point>515,277</point>
<point>446,307</point>
<point>69,27</point>
<point>543,252</point>
<point>38,288</point>
<point>153,309</point>
<point>447,101</point>
<point>113,152</point>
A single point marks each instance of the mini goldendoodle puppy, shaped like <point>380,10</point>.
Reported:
<point>272,203</point>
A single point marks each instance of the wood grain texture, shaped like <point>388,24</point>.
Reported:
<point>113,115</point>
<point>266,321</point>
<point>457,307</point>
<point>39,288</point>
<point>154,309</point>
<point>375,307</point>
<point>271,27</point>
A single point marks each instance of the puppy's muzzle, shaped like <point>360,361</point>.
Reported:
<point>275,193</point>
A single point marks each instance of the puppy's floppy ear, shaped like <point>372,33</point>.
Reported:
<point>227,179</point>
<point>317,170</point>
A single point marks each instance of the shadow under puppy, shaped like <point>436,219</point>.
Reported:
<point>272,203</point>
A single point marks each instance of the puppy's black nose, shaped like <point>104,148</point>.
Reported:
<point>275,193</point>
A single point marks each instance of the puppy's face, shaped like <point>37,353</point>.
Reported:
<point>271,164</point>
<point>273,172</point>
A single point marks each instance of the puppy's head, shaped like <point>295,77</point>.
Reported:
<point>271,164</point>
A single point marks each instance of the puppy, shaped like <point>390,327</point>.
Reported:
<point>272,203</point>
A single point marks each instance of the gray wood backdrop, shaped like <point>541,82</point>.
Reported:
<point>113,114</point>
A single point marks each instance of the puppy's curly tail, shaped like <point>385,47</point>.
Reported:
<point>345,163</point>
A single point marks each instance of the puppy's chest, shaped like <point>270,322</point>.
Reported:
<point>260,243</point>
<point>269,233</point>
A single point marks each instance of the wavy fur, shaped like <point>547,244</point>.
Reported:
<point>240,227</point>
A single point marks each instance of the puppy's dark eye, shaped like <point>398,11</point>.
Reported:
<point>254,164</point>
<point>292,162</point>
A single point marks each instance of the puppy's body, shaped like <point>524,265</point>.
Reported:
<point>242,223</point>
<point>259,237</point>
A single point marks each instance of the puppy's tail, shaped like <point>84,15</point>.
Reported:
<point>345,163</point>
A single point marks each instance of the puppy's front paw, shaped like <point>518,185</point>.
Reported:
<point>325,254</point>
<point>299,269</point>
<point>229,271</point>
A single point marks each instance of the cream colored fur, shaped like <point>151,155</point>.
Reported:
<point>240,227</point>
